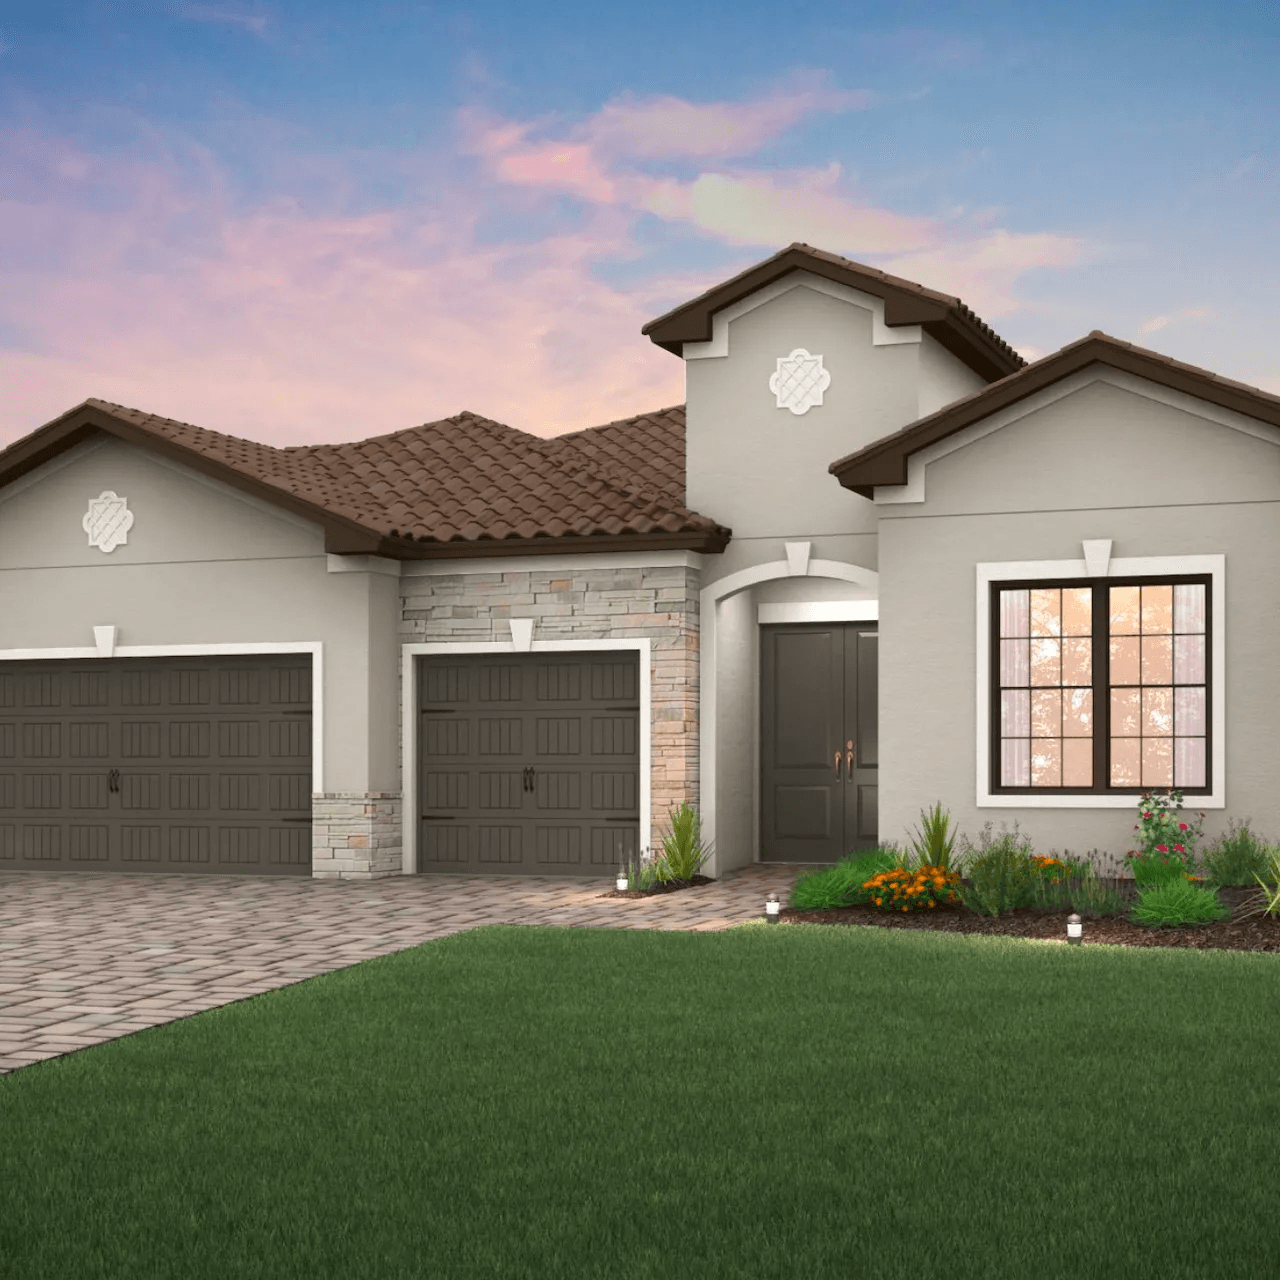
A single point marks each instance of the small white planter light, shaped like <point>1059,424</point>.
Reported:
<point>1073,928</point>
<point>622,882</point>
<point>771,909</point>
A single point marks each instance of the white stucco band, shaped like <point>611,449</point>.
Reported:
<point>882,335</point>
<point>710,601</point>
<point>1056,570</point>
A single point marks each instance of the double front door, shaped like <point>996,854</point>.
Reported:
<point>819,747</point>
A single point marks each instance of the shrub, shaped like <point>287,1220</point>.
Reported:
<point>1267,902</point>
<point>1237,858</point>
<point>1002,873</point>
<point>843,884</point>
<point>683,854</point>
<point>1179,903</point>
<point>900,889</point>
<point>933,846</point>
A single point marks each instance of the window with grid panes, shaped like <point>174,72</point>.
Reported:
<point>1101,686</point>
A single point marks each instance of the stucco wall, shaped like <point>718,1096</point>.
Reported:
<point>203,564</point>
<point>578,601</point>
<point>1105,461</point>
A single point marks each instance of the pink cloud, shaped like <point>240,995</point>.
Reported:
<point>664,127</point>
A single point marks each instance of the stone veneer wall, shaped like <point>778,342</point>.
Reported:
<point>582,604</point>
<point>356,835</point>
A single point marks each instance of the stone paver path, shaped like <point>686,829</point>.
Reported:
<point>91,957</point>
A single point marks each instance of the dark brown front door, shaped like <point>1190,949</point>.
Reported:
<point>819,745</point>
<point>529,764</point>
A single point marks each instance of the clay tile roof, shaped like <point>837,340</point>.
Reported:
<point>884,461</point>
<point>945,318</point>
<point>465,482</point>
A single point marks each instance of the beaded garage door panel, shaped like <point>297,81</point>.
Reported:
<point>157,764</point>
<point>529,764</point>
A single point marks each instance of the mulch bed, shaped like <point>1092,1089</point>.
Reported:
<point>1257,933</point>
<point>670,886</point>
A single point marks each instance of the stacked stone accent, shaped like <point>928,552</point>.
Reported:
<point>356,835</point>
<point>588,604</point>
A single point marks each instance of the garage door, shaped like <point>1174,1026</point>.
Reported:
<point>529,764</point>
<point>157,764</point>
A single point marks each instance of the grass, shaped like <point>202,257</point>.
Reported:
<point>782,1100</point>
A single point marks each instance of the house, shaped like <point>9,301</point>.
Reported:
<point>460,647</point>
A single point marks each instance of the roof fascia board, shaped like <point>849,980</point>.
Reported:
<point>692,321</point>
<point>63,434</point>
<point>566,563</point>
<point>881,334</point>
<point>709,543</point>
<point>918,461</point>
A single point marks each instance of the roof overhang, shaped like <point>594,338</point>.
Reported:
<point>885,461</point>
<point>944,318</point>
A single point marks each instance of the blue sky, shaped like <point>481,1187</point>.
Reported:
<point>323,221</point>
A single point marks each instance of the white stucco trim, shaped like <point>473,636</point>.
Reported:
<point>409,720</point>
<point>882,335</point>
<point>231,649</point>
<point>567,563</point>
<point>708,604</point>
<point>819,611</point>
<point>918,463</point>
<point>1120,567</point>
<point>363,564</point>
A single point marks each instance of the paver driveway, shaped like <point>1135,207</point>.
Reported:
<point>87,958</point>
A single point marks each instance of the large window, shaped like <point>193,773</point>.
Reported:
<point>1101,686</point>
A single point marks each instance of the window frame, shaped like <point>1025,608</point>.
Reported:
<point>1101,670</point>
<point>1097,564</point>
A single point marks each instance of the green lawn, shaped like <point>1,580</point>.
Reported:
<point>787,1100</point>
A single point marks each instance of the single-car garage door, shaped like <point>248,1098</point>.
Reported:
<point>529,764</point>
<point>157,764</point>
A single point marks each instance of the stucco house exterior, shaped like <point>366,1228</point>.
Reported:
<point>461,647</point>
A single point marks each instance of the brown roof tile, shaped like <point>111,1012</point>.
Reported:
<point>462,480</point>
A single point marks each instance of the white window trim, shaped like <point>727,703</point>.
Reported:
<point>232,649</point>
<point>409,719</point>
<point>1057,570</point>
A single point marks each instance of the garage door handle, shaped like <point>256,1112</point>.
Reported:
<point>113,780</point>
<point>528,779</point>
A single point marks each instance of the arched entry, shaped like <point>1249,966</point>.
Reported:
<point>729,722</point>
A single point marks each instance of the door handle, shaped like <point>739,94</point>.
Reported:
<point>113,780</point>
<point>528,779</point>
<point>837,762</point>
<point>848,758</point>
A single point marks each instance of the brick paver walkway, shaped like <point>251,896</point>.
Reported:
<point>86,958</point>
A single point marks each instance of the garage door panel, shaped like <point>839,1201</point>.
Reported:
<point>208,736</point>
<point>89,790</point>
<point>89,843</point>
<point>139,844</point>
<point>445,845</point>
<point>501,846</point>
<point>546,813</point>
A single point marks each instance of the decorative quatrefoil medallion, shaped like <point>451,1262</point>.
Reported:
<point>799,381</point>
<point>108,521</point>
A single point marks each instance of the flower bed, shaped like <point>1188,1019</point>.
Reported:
<point>1254,933</point>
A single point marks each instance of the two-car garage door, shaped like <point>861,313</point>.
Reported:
<point>157,764</point>
<point>529,764</point>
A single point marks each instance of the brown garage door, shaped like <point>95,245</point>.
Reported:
<point>157,764</point>
<point>529,764</point>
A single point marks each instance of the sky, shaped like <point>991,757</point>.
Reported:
<point>306,223</point>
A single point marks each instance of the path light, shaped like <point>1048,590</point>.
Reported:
<point>771,909</point>
<point>622,881</point>
<point>1073,928</point>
